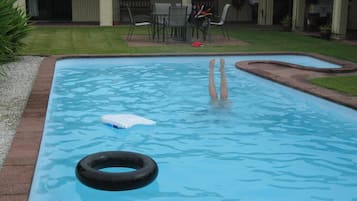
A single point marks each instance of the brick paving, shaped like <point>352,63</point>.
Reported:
<point>18,169</point>
<point>298,77</point>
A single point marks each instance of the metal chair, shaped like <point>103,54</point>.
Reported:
<point>160,15</point>
<point>137,21</point>
<point>189,7</point>
<point>162,9</point>
<point>177,21</point>
<point>221,21</point>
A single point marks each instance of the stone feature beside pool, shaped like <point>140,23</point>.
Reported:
<point>298,77</point>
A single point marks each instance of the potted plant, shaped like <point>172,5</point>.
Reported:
<point>286,23</point>
<point>325,31</point>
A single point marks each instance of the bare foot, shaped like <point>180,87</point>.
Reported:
<point>211,85</point>
<point>222,64</point>
<point>211,64</point>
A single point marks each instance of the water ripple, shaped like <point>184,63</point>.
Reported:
<point>267,142</point>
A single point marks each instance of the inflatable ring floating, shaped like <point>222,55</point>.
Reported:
<point>88,170</point>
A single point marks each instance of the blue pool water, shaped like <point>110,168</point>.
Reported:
<point>269,143</point>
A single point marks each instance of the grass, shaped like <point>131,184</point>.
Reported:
<point>109,40</point>
<point>344,84</point>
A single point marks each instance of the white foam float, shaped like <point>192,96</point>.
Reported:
<point>125,120</point>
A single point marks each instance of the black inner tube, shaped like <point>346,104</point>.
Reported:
<point>88,170</point>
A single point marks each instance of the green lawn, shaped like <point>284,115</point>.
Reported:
<point>108,40</point>
<point>345,84</point>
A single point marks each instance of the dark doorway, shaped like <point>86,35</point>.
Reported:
<point>53,10</point>
<point>352,21</point>
<point>282,8</point>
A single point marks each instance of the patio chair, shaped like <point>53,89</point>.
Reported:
<point>200,21</point>
<point>189,7</point>
<point>177,21</point>
<point>220,23</point>
<point>161,9</point>
<point>160,17</point>
<point>137,21</point>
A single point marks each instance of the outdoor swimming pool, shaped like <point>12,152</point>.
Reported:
<point>270,143</point>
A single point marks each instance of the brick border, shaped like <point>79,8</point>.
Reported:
<point>18,167</point>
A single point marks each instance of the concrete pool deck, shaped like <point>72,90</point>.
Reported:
<point>18,167</point>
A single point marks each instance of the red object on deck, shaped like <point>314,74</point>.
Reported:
<point>197,44</point>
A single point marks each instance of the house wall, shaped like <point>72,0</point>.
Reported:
<point>265,12</point>
<point>352,18</point>
<point>339,19</point>
<point>298,15</point>
<point>234,15</point>
<point>21,4</point>
<point>105,13</point>
<point>85,10</point>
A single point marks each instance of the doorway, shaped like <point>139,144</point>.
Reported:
<point>282,8</point>
<point>352,21</point>
<point>51,10</point>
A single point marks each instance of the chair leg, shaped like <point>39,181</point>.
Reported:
<point>157,32</point>
<point>227,33</point>
<point>224,34</point>
<point>130,33</point>
<point>149,31</point>
<point>209,34</point>
<point>163,33</point>
<point>195,32</point>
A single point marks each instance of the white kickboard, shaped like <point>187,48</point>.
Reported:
<point>125,120</point>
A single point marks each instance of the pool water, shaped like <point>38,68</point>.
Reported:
<point>268,143</point>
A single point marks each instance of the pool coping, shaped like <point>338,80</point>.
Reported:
<point>18,168</point>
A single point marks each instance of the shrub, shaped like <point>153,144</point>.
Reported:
<point>325,31</point>
<point>286,23</point>
<point>13,28</point>
<point>326,27</point>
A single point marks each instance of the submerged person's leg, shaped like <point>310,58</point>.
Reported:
<point>212,85</point>
<point>223,87</point>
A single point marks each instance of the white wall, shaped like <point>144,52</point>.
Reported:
<point>234,15</point>
<point>85,10</point>
<point>21,4</point>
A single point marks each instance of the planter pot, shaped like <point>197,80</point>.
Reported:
<point>286,27</point>
<point>325,35</point>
